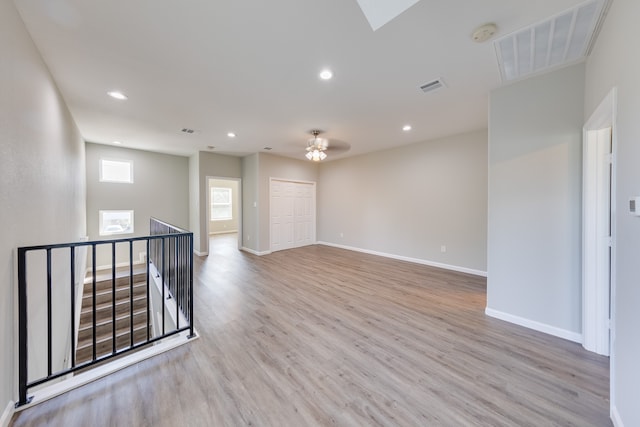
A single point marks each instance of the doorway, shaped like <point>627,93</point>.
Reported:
<point>598,229</point>
<point>224,210</point>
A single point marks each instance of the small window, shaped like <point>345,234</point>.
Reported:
<point>116,222</point>
<point>221,206</point>
<point>116,171</point>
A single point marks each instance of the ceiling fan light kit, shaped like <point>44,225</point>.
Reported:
<point>316,147</point>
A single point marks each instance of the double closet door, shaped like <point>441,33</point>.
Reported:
<point>293,214</point>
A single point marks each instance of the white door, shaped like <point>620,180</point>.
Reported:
<point>281,215</point>
<point>597,241</point>
<point>292,214</point>
<point>304,218</point>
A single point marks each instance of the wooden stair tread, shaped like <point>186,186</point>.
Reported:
<point>107,285</point>
<point>129,299</point>
<point>105,326</point>
<point>122,332</point>
<point>105,345</point>
<point>108,321</point>
<point>109,304</point>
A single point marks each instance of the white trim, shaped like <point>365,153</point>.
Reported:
<point>101,170</point>
<point>605,115</point>
<point>615,417</point>
<point>408,259</point>
<point>94,374</point>
<point>254,252</point>
<point>215,233</point>
<point>5,419</point>
<point>596,242</point>
<point>536,326</point>
<point>239,196</point>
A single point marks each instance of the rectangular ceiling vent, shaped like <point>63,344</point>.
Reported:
<point>561,40</point>
<point>432,85</point>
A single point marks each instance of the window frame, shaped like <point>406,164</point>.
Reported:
<point>101,225</point>
<point>101,172</point>
<point>213,204</point>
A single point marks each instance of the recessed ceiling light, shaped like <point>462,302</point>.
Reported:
<point>326,74</point>
<point>231,134</point>
<point>117,142</point>
<point>406,128</point>
<point>117,95</point>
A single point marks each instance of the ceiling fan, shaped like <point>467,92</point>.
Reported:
<point>317,148</point>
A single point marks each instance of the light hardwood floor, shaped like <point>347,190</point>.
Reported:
<point>323,336</point>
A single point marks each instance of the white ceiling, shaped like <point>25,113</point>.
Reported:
<point>252,67</point>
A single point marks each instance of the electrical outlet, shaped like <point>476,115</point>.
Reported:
<point>443,249</point>
<point>341,235</point>
<point>248,237</point>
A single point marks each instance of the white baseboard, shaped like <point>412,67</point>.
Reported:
<point>254,252</point>
<point>408,259</point>
<point>615,417</point>
<point>536,326</point>
<point>5,419</point>
<point>205,253</point>
<point>94,374</point>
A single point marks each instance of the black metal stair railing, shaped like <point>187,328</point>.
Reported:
<point>169,252</point>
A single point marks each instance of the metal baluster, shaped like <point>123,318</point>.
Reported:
<point>176,292</point>
<point>23,355</point>
<point>191,334</point>
<point>93,283</point>
<point>49,309</point>
<point>131,291</point>
<point>73,305</point>
<point>113,298</point>
<point>148,302</point>
<point>162,283</point>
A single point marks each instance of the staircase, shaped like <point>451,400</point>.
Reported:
<point>104,315</point>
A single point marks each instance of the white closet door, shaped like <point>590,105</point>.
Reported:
<point>292,214</point>
<point>304,214</point>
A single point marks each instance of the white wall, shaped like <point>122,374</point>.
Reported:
<point>194,200</point>
<point>615,62</point>
<point>231,225</point>
<point>160,189</point>
<point>250,202</point>
<point>535,175</point>
<point>410,201</point>
<point>270,166</point>
<point>42,178</point>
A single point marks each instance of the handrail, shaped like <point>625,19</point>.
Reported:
<point>169,250</point>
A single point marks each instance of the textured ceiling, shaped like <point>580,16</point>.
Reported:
<point>252,67</point>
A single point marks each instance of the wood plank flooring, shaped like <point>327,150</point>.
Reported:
<point>321,336</point>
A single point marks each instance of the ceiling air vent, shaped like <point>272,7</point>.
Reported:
<point>432,85</point>
<point>561,40</point>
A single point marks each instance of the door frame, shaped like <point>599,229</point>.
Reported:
<point>208,207</point>
<point>604,116</point>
